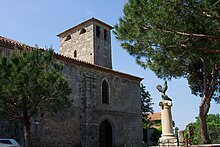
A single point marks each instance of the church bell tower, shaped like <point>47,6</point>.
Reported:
<point>89,41</point>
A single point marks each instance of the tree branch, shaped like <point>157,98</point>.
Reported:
<point>206,15</point>
<point>211,90</point>
<point>208,90</point>
<point>188,34</point>
<point>204,98</point>
<point>213,51</point>
<point>204,50</point>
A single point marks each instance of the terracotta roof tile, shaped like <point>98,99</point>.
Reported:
<point>11,44</point>
<point>154,116</point>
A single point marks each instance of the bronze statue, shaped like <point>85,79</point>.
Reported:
<point>163,91</point>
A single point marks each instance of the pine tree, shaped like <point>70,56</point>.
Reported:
<point>146,106</point>
<point>31,84</point>
<point>177,38</point>
<point>146,100</point>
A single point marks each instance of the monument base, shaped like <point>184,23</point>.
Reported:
<point>168,140</point>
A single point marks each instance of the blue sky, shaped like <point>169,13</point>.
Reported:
<point>39,21</point>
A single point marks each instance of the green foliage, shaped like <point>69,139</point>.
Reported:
<point>156,135</point>
<point>213,124</point>
<point>176,39</point>
<point>146,106</point>
<point>146,100</point>
<point>31,84</point>
<point>31,81</point>
<point>173,37</point>
<point>194,137</point>
<point>158,124</point>
<point>157,131</point>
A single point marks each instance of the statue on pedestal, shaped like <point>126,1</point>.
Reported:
<point>167,138</point>
<point>163,91</point>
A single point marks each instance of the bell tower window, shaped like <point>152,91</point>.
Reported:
<point>82,31</point>
<point>68,38</point>
<point>98,31</point>
<point>75,54</point>
<point>105,92</point>
<point>105,34</point>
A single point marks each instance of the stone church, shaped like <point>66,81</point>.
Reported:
<point>106,103</point>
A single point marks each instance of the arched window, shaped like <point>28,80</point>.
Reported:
<point>82,31</point>
<point>68,38</point>
<point>75,54</point>
<point>105,92</point>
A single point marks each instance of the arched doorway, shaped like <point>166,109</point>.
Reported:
<point>105,134</point>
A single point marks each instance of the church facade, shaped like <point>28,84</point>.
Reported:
<point>106,103</point>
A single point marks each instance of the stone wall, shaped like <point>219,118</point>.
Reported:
<point>79,126</point>
<point>58,129</point>
<point>79,43</point>
<point>4,51</point>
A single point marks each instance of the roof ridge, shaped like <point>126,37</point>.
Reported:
<point>84,22</point>
<point>9,41</point>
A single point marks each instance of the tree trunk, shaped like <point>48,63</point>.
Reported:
<point>203,125</point>
<point>27,130</point>
<point>208,88</point>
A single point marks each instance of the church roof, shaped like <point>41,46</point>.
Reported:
<point>12,44</point>
<point>86,22</point>
<point>154,116</point>
<point>9,43</point>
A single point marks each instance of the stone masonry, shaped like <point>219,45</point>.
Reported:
<point>89,41</point>
<point>87,64</point>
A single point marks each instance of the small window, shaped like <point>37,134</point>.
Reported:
<point>105,34</point>
<point>105,92</point>
<point>82,31</point>
<point>68,38</point>
<point>97,31</point>
<point>75,54</point>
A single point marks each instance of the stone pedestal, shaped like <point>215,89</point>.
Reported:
<point>167,137</point>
